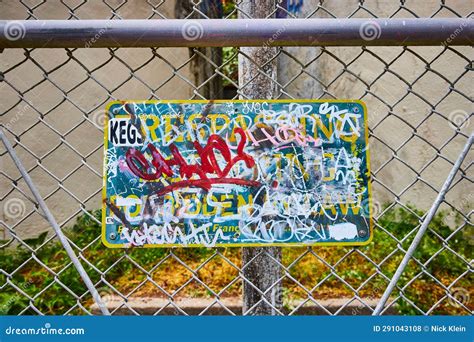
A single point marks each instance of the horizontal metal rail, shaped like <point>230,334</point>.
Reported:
<point>241,32</point>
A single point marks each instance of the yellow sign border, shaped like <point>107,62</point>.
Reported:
<point>277,244</point>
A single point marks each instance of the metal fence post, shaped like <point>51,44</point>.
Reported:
<point>261,267</point>
<point>51,104</point>
<point>424,226</point>
<point>52,221</point>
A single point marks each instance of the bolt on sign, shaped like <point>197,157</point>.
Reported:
<point>236,173</point>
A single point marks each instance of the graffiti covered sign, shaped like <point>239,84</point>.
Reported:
<point>236,173</point>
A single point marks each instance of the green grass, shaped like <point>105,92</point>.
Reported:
<point>53,284</point>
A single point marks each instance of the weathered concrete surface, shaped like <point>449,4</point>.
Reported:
<point>383,92</point>
<point>209,306</point>
<point>260,265</point>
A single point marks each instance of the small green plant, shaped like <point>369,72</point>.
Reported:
<point>435,262</point>
<point>230,66</point>
<point>61,287</point>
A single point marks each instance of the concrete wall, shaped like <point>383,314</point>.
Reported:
<point>394,114</point>
<point>60,139</point>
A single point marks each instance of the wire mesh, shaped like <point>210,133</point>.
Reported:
<point>419,101</point>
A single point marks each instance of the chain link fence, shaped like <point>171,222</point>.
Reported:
<point>419,102</point>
